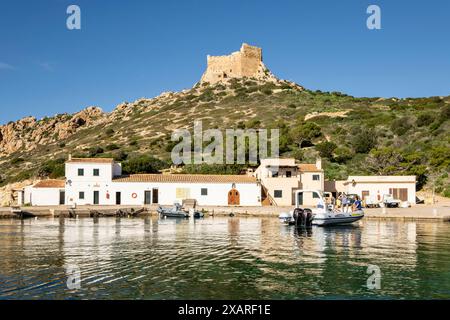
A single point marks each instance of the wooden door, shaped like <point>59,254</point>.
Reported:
<point>403,194</point>
<point>364,194</point>
<point>233,197</point>
<point>155,196</point>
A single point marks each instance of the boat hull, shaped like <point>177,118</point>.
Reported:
<point>336,220</point>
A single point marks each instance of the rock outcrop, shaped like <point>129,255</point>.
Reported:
<point>27,133</point>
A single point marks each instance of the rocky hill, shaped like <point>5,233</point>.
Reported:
<point>353,135</point>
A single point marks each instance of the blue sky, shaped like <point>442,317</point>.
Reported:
<point>132,49</point>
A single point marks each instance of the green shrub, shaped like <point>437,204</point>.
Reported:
<point>112,146</point>
<point>144,164</point>
<point>326,149</point>
<point>425,119</point>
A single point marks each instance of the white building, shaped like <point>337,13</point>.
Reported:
<point>280,178</point>
<point>43,193</point>
<point>373,188</point>
<point>100,182</point>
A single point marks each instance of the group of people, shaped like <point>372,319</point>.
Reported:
<point>343,202</point>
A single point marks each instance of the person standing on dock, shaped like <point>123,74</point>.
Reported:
<point>345,202</point>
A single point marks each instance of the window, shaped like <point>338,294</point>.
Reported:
<point>278,193</point>
<point>204,191</point>
<point>96,172</point>
<point>316,177</point>
<point>80,172</point>
<point>275,174</point>
<point>81,195</point>
<point>316,195</point>
<point>288,174</point>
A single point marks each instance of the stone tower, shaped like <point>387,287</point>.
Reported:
<point>247,62</point>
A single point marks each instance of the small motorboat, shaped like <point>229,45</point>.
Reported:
<point>196,213</point>
<point>321,215</point>
<point>174,212</point>
<point>19,213</point>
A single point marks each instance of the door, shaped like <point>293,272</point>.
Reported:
<point>118,198</point>
<point>403,194</point>
<point>155,196</point>
<point>96,197</point>
<point>148,197</point>
<point>299,199</point>
<point>62,197</point>
<point>233,197</point>
<point>364,194</point>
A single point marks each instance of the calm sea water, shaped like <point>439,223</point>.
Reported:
<point>221,258</point>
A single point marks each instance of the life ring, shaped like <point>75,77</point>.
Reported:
<point>134,195</point>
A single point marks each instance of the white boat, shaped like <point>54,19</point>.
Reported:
<point>321,214</point>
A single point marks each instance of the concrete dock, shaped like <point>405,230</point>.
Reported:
<point>438,212</point>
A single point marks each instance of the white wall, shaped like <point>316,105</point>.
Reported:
<point>250,193</point>
<point>381,189</point>
<point>45,196</point>
<point>106,172</point>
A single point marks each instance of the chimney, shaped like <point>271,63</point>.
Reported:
<point>319,163</point>
<point>70,157</point>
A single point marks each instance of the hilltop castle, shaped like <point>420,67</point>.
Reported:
<point>247,62</point>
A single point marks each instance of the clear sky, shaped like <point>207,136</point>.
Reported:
<point>131,49</point>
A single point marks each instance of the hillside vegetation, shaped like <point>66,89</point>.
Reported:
<point>355,136</point>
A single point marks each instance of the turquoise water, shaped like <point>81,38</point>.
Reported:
<point>221,258</point>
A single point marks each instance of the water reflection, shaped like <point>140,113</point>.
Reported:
<point>221,258</point>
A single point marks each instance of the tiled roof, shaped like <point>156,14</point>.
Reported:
<point>186,178</point>
<point>308,167</point>
<point>50,184</point>
<point>90,160</point>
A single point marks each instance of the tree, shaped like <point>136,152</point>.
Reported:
<point>304,133</point>
<point>326,149</point>
<point>364,140</point>
<point>385,161</point>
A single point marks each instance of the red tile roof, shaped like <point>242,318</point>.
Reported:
<point>186,178</point>
<point>90,160</point>
<point>50,184</point>
<point>308,167</point>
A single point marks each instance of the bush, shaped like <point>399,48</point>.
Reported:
<point>445,112</point>
<point>144,164</point>
<point>424,119</point>
<point>326,149</point>
<point>112,146</point>
<point>214,169</point>
<point>400,126</point>
<point>94,151</point>
<point>17,161</point>
<point>52,169</point>
<point>364,140</point>
<point>109,132</point>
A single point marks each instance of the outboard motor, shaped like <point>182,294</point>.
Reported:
<point>308,217</point>
<point>299,217</point>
